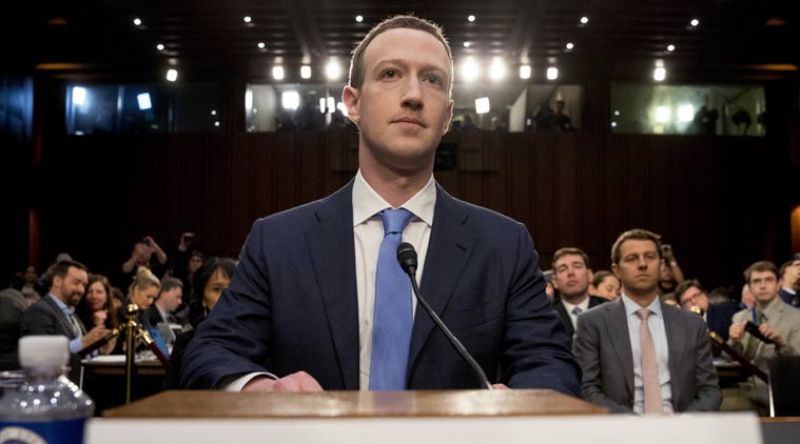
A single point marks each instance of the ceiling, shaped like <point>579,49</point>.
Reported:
<point>209,40</point>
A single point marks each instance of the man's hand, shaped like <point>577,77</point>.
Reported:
<point>100,317</point>
<point>771,334</point>
<point>736,331</point>
<point>93,336</point>
<point>296,382</point>
<point>500,387</point>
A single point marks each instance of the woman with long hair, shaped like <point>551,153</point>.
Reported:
<point>96,308</point>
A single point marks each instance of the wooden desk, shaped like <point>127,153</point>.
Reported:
<point>104,380</point>
<point>355,404</point>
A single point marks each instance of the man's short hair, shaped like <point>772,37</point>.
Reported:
<point>634,234</point>
<point>62,267</point>
<point>760,266</point>
<point>685,285</point>
<point>784,266</point>
<point>566,251</point>
<point>357,73</point>
<point>169,283</point>
<point>600,276</point>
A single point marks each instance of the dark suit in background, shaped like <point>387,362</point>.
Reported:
<point>292,304</point>
<point>46,318</point>
<point>603,348</point>
<point>594,301</point>
<point>720,316</point>
<point>12,305</point>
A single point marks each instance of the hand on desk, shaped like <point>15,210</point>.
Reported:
<point>296,382</point>
<point>500,387</point>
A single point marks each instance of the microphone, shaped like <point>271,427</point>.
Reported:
<point>407,258</point>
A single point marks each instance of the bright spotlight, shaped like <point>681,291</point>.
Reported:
<point>552,73</point>
<point>685,113</point>
<point>144,101</point>
<point>333,70</point>
<point>659,74</point>
<point>497,70</point>
<point>78,95</point>
<point>172,74</point>
<point>525,72</point>
<point>305,72</point>
<point>662,114</point>
<point>290,100</point>
<point>278,73</point>
<point>470,70</point>
<point>482,105</point>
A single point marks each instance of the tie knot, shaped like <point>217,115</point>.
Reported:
<point>394,220</point>
<point>643,313</point>
<point>576,311</point>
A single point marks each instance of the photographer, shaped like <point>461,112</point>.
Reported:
<point>671,274</point>
<point>146,253</point>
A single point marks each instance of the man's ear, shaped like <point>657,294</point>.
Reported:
<point>350,98</point>
<point>449,117</point>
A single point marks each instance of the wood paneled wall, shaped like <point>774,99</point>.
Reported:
<point>715,199</point>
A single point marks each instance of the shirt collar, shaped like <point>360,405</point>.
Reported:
<point>584,305</point>
<point>367,202</point>
<point>631,307</point>
<point>61,304</point>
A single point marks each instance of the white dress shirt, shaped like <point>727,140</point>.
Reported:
<point>584,305</point>
<point>655,322</point>
<point>367,236</point>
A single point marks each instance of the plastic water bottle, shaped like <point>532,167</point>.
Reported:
<point>47,407</point>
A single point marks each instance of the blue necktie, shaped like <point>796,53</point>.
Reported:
<point>392,321</point>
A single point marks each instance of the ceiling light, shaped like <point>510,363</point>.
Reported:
<point>525,72</point>
<point>695,23</point>
<point>470,69</point>
<point>670,48</point>
<point>290,100</point>
<point>497,70</point>
<point>216,123</point>
<point>160,47</point>
<point>613,124</point>
<point>213,112</point>
<point>278,73</point>
<point>570,46</point>
<point>333,70</point>
<point>137,21</point>
<point>247,19</point>
<point>262,45</point>
<point>616,112</point>
<point>467,44</point>
<point>686,113</point>
<point>482,105</point>
<point>359,18</point>
<point>552,73</point>
<point>172,74</point>
<point>305,72</point>
<point>584,20</point>
<point>659,74</point>
<point>322,103</point>
<point>471,18</point>
<point>662,114</point>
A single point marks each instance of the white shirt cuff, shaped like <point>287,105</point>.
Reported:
<point>236,384</point>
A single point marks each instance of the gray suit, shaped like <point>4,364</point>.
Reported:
<point>603,348</point>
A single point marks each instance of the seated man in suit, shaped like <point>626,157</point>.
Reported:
<point>571,277</point>
<point>54,314</point>
<point>318,300</point>
<point>718,317</point>
<point>789,275</point>
<point>776,320</point>
<point>169,299</point>
<point>637,354</point>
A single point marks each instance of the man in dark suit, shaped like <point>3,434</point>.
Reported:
<point>637,354</point>
<point>571,278</point>
<point>54,314</point>
<point>692,297</point>
<point>170,295</point>
<point>789,275</point>
<point>307,307</point>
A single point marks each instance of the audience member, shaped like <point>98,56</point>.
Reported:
<point>747,300</point>
<point>637,354</point>
<point>169,298</point>
<point>789,275</point>
<point>54,314</point>
<point>605,285</point>
<point>96,308</point>
<point>692,297</point>
<point>571,279</point>
<point>721,295</point>
<point>12,305</point>
<point>670,273</point>
<point>185,260</point>
<point>213,277</point>
<point>146,253</point>
<point>777,321</point>
<point>142,291</point>
<point>29,289</point>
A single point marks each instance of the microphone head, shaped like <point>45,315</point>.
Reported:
<point>407,257</point>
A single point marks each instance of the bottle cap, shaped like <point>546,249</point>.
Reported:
<point>43,351</point>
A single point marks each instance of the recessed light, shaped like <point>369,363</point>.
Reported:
<point>584,20</point>
<point>137,21</point>
<point>670,48</point>
<point>695,22</point>
<point>570,45</point>
<point>467,44</point>
<point>471,18</point>
<point>247,19</point>
<point>359,18</point>
<point>160,47</point>
<point>262,45</point>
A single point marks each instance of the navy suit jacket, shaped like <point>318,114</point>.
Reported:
<point>292,304</point>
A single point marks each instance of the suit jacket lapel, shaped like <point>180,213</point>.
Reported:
<point>449,249</point>
<point>330,245</point>
<point>66,325</point>
<point>676,339</point>
<point>621,341</point>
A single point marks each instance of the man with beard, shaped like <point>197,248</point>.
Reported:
<point>54,314</point>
